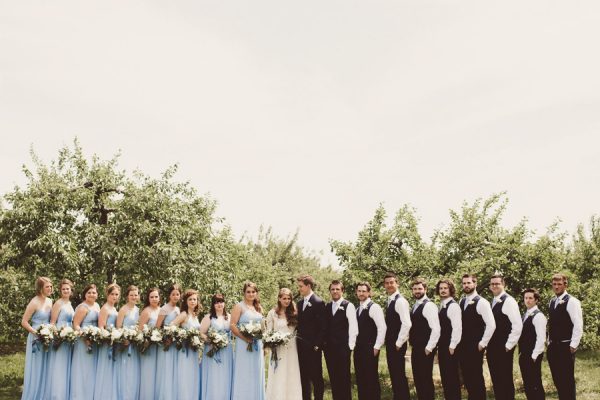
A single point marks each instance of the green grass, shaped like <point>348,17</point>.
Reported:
<point>586,372</point>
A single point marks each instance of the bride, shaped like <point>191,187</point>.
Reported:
<point>284,378</point>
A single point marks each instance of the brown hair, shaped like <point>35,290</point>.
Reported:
<point>217,298</point>
<point>470,276</point>
<point>336,282</point>
<point>536,293</point>
<point>498,276</point>
<point>307,280</point>
<point>66,281</point>
<point>419,281</point>
<point>291,314</point>
<point>450,286</point>
<point>147,296</point>
<point>39,284</point>
<point>131,288</point>
<point>184,306</point>
<point>560,277</point>
<point>171,289</point>
<point>368,286</point>
<point>256,302</point>
<point>390,274</point>
<point>86,289</point>
<point>111,288</point>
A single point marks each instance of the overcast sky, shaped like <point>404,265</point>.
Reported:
<point>306,115</point>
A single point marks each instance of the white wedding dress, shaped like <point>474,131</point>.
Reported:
<point>283,382</point>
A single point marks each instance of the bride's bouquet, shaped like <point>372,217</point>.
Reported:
<point>91,335</point>
<point>217,340</point>
<point>273,339</point>
<point>64,334</point>
<point>252,330</point>
<point>45,336</point>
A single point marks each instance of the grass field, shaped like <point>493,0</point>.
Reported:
<point>587,366</point>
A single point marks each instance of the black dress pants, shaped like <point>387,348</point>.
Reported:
<point>500,363</point>
<point>531,371</point>
<point>311,371</point>
<point>562,366</point>
<point>367,373</point>
<point>471,365</point>
<point>449,373</point>
<point>422,366</point>
<point>397,368</point>
<point>337,359</point>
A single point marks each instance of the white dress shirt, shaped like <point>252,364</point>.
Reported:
<point>510,308</point>
<point>402,308</point>
<point>574,310</point>
<point>485,310</point>
<point>455,316</point>
<point>430,312</point>
<point>306,301</point>
<point>352,323</point>
<point>539,323</point>
<point>376,314</point>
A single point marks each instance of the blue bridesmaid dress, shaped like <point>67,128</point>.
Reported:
<point>188,368</point>
<point>59,373</point>
<point>217,371</point>
<point>128,364</point>
<point>106,382</point>
<point>249,366</point>
<point>83,366</point>
<point>167,363</point>
<point>148,365</point>
<point>36,360</point>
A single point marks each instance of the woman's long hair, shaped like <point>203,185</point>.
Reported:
<point>184,306</point>
<point>256,301</point>
<point>291,314</point>
<point>217,298</point>
<point>147,296</point>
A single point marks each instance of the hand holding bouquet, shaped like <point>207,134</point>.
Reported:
<point>64,334</point>
<point>45,336</point>
<point>217,340</point>
<point>274,339</point>
<point>253,331</point>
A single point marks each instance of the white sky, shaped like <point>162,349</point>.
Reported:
<point>309,114</point>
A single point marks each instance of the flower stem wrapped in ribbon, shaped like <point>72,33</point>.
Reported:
<point>252,330</point>
<point>274,339</point>
<point>217,340</point>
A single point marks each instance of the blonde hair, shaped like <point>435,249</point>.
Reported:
<point>111,288</point>
<point>40,283</point>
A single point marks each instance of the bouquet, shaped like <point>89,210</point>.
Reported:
<point>274,339</point>
<point>217,340</point>
<point>171,334</point>
<point>64,334</point>
<point>149,337</point>
<point>194,340</point>
<point>45,336</point>
<point>103,336</point>
<point>128,338</point>
<point>252,330</point>
<point>91,335</point>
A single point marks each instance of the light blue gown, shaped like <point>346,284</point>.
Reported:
<point>188,368</point>
<point>83,366</point>
<point>217,372</point>
<point>167,363</point>
<point>106,380</point>
<point>148,365</point>
<point>36,360</point>
<point>128,364</point>
<point>59,373</point>
<point>249,366</point>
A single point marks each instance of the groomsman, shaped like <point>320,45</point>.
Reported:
<point>478,327</point>
<point>311,335</point>
<point>450,335</point>
<point>565,328</point>
<point>500,352</point>
<point>371,336</point>
<point>531,346</point>
<point>341,329</point>
<point>397,319</point>
<point>424,335</point>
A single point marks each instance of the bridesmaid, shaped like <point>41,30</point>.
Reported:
<point>106,388</point>
<point>188,363</point>
<point>128,361</point>
<point>59,372</point>
<point>167,360</point>
<point>217,371</point>
<point>36,359</point>
<point>249,366</point>
<point>149,317</point>
<point>83,366</point>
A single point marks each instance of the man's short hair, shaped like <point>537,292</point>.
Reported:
<point>498,276</point>
<point>336,282</point>
<point>473,277</point>
<point>368,286</point>
<point>308,280</point>
<point>419,281</point>
<point>560,277</point>
<point>390,274</point>
<point>536,293</point>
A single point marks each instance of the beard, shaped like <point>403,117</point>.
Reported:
<point>418,295</point>
<point>468,290</point>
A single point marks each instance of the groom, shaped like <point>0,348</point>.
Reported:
<point>311,332</point>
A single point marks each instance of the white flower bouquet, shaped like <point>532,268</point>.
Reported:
<point>45,336</point>
<point>252,330</point>
<point>91,335</point>
<point>64,334</point>
<point>217,340</point>
<point>274,339</point>
<point>129,336</point>
<point>149,336</point>
<point>194,340</point>
<point>173,334</point>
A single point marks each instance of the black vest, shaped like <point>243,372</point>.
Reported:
<point>420,330</point>
<point>445,326</point>
<point>393,322</point>
<point>503,325</point>
<point>472,323</point>
<point>560,326</point>
<point>337,325</point>
<point>367,330</point>
<point>528,335</point>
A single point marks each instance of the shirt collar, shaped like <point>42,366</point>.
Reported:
<point>500,295</point>
<point>307,298</point>
<point>531,310</point>
<point>562,295</point>
<point>446,301</point>
<point>393,295</point>
<point>338,302</point>
<point>472,295</point>
<point>365,303</point>
<point>421,300</point>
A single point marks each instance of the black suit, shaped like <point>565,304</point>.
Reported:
<point>337,351</point>
<point>311,334</point>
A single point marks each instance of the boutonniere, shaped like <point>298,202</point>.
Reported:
<point>499,301</point>
<point>471,302</point>
<point>561,301</point>
<point>308,304</point>
<point>340,307</point>
<point>444,305</point>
